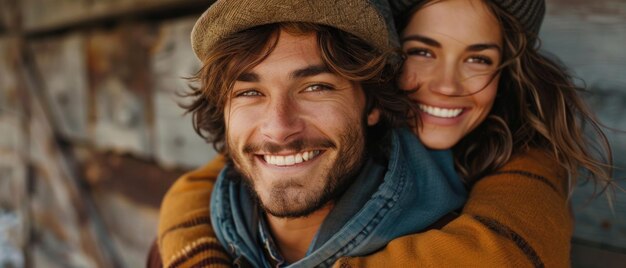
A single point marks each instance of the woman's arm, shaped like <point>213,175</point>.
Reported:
<point>186,236</point>
<point>517,217</point>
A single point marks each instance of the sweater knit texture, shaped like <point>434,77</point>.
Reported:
<point>529,13</point>
<point>516,217</point>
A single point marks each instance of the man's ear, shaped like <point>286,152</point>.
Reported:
<point>373,117</point>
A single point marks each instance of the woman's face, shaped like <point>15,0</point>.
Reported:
<point>453,49</point>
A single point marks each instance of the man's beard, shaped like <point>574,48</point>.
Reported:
<point>284,201</point>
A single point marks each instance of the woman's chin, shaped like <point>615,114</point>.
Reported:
<point>435,140</point>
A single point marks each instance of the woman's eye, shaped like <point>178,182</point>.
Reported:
<point>248,93</point>
<point>317,87</point>
<point>419,52</point>
<point>480,60</point>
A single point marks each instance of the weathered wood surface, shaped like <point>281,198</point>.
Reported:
<point>590,256</point>
<point>12,117</point>
<point>65,224</point>
<point>122,186</point>
<point>590,38</point>
<point>177,144</point>
<point>9,86</point>
<point>56,206</point>
<point>9,12</point>
<point>14,213</point>
<point>62,64</point>
<point>114,90</point>
<point>602,221</point>
<point>45,15</point>
<point>119,77</point>
<point>111,95</point>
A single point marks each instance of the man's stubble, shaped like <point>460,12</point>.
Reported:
<point>291,197</point>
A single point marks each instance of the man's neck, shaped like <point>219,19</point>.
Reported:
<point>294,235</point>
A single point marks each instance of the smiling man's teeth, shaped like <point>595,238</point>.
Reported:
<point>440,112</point>
<point>290,160</point>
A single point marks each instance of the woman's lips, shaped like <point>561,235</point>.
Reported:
<point>440,116</point>
<point>440,112</point>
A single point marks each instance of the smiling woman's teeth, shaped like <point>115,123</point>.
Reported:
<point>290,160</point>
<point>440,112</point>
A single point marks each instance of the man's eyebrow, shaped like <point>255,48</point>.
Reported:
<point>423,39</point>
<point>248,77</point>
<point>311,70</point>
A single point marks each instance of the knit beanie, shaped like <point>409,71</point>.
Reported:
<point>529,13</point>
<point>370,20</point>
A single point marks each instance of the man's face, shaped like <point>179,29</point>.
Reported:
<point>294,129</point>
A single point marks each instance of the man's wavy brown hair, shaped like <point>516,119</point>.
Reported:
<point>343,53</point>
<point>537,106</point>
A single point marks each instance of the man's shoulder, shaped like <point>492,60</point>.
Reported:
<point>185,203</point>
<point>191,192</point>
<point>202,177</point>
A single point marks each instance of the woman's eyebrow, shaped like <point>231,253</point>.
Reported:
<point>434,43</point>
<point>420,38</point>
<point>481,47</point>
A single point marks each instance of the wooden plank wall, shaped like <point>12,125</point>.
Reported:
<point>108,78</point>
<point>120,83</point>
<point>131,139</point>
<point>98,129</point>
<point>65,89</point>
<point>41,16</point>
<point>590,38</point>
<point>173,60</point>
<point>14,212</point>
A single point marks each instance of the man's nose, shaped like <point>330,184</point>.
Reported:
<point>282,120</point>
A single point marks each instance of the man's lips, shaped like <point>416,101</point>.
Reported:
<point>289,159</point>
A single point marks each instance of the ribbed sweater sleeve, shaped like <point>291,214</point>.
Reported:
<point>186,237</point>
<point>516,217</point>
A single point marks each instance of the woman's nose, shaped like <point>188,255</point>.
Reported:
<point>445,80</point>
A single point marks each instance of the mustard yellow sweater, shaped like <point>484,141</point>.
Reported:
<point>516,217</point>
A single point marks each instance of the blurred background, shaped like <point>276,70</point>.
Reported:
<point>91,135</point>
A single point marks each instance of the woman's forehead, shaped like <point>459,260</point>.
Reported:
<point>468,21</point>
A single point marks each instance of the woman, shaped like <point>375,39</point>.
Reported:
<point>512,118</point>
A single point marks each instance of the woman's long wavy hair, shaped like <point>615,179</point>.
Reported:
<point>343,53</point>
<point>537,105</point>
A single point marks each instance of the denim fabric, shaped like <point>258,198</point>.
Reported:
<point>269,246</point>
<point>418,187</point>
<point>352,200</point>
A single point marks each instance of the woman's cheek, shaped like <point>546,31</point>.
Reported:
<point>408,78</point>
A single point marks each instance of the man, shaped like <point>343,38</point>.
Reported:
<point>302,106</point>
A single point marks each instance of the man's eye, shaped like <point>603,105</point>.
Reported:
<point>318,87</point>
<point>420,52</point>
<point>248,93</point>
<point>480,60</point>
